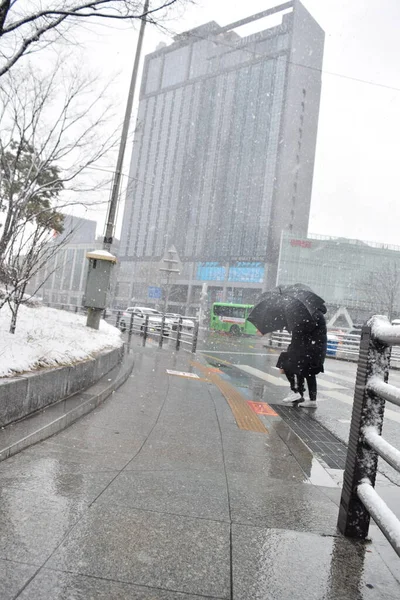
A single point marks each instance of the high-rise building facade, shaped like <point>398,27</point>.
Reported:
<point>223,155</point>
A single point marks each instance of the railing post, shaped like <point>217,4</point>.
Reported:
<point>178,333</point>
<point>195,336</point>
<point>130,330</point>
<point>161,338</point>
<point>362,460</point>
<point>146,329</point>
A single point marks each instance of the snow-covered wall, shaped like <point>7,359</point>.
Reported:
<point>30,392</point>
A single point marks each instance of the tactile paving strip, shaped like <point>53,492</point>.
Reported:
<point>317,437</point>
<point>245,417</point>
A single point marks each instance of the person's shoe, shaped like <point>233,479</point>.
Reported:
<point>293,397</point>
<point>309,404</point>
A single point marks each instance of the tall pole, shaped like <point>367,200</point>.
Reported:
<point>112,207</point>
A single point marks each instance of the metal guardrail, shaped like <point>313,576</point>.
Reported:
<point>162,330</point>
<point>340,345</point>
<point>359,499</point>
<point>188,338</point>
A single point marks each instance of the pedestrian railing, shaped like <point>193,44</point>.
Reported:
<point>359,499</point>
<point>178,335</point>
<point>340,345</point>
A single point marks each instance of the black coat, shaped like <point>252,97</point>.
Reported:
<point>307,351</point>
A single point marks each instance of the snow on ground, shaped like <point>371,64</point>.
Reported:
<point>46,337</point>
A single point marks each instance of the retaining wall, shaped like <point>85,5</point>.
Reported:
<point>23,395</point>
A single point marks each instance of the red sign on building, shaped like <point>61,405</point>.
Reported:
<point>301,243</point>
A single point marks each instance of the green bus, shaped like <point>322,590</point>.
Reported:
<point>231,318</point>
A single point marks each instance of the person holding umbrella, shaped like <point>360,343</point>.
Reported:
<point>298,309</point>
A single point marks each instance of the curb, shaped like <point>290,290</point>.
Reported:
<point>72,415</point>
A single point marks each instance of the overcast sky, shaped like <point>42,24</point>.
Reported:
<point>355,192</point>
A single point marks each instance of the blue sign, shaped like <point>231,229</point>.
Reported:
<point>247,272</point>
<point>210,271</point>
<point>154,292</point>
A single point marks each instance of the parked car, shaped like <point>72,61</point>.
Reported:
<point>139,318</point>
<point>186,322</point>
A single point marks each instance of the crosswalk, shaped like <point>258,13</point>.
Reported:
<point>329,388</point>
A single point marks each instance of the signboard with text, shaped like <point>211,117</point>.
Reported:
<point>154,292</point>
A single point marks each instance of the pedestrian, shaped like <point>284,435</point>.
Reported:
<point>284,367</point>
<point>305,357</point>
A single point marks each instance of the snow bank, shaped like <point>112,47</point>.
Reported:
<point>46,337</point>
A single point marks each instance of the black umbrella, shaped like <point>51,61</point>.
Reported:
<point>285,307</point>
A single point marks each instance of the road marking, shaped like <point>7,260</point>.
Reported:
<point>390,414</point>
<point>340,376</point>
<point>280,381</point>
<point>262,375</point>
<point>183,374</point>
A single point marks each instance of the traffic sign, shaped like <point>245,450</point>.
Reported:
<point>154,292</point>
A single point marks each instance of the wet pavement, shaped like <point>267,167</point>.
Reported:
<point>245,359</point>
<point>159,495</point>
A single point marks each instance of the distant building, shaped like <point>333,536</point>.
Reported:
<point>363,277</point>
<point>223,157</point>
<point>63,280</point>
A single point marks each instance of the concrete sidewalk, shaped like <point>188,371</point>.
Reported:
<point>160,495</point>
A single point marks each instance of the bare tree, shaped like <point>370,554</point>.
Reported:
<point>52,131</point>
<point>27,255</point>
<point>27,26</point>
<point>383,289</point>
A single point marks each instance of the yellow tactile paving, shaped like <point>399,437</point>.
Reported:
<point>245,417</point>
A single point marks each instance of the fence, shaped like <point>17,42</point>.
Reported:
<point>359,499</point>
<point>343,346</point>
<point>179,332</point>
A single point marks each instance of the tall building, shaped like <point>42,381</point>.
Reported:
<point>360,276</point>
<point>223,156</point>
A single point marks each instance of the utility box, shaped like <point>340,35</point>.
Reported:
<point>98,279</point>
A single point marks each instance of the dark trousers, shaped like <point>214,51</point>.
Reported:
<point>298,386</point>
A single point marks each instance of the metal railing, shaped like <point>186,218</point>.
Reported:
<point>344,346</point>
<point>359,500</point>
<point>178,334</point>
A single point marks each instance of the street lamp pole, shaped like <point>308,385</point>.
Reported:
<point>94,312</point>
<point>112,207</point>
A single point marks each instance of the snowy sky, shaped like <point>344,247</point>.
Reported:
<point>355,190</point>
